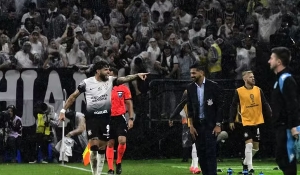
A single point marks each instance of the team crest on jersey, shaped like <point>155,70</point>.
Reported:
<point>120,94</point>
<point>210,102</point>
<point>89,132</point>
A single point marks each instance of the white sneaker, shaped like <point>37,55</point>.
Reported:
<point>44,161</point>
<point>32,162</point>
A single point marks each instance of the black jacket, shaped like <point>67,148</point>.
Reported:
<point>213,103</point>
<point>285,105</point>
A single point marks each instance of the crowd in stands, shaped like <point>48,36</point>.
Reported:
<point>163,37</point>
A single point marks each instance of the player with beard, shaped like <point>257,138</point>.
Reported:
<point>285,106</point>
<point>204,103</point>
<point>253,106</point>
<point>97,91</point>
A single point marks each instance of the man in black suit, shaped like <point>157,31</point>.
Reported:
<point>204,102</point>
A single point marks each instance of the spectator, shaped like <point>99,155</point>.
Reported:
<point>198,28</point>
<point>107,39</point>
<point>25,57</point>
<point>143,31</point>
<point>153,51</point>
<point>32,13</point>
<point>214,57</point>
<point>119,21</point>
<point>92,34</point>
<point>185,60</point>
<point>226,28</point>
<point>167,63</point>
<point>230,11</point>
<point>90,16</point>
<point>14,133</point>
<point>134,11</point>
<point>4,61</point>
<point>37,47</point>
<point>184,36</point>
<point>173,42</point>
<point>55,22</point>
<point>267,24</point>
<point>70,49</point>
<point>184,19</point>
<point>10,22</point>
<point>5,44</point>
<point>162,6</point>
<point>54,59</point>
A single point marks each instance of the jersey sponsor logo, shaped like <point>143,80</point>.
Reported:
<point>99,98</point>
<point>101,112</point>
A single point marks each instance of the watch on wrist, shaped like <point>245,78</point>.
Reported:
<point>131,119</point>
<point>218,124</point>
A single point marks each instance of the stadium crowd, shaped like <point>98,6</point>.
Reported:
<point>163,37</point>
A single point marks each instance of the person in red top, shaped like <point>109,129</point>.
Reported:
<point>120,100</point>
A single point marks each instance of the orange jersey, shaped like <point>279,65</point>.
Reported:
<point>118,96</point>
<point>251,106</point>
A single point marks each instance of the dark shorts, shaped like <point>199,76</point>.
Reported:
<point>251,132</point>
<point>118,127</point>
<point>97,127</point>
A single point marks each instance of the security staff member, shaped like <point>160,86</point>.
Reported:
<point>252,103</point>
<point>285,105</point>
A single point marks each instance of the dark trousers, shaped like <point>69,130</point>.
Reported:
<point>282,160</point>
<point>43,141</point>
<point>28,143</point>
<point>206,144</point>
<point>12,144</point>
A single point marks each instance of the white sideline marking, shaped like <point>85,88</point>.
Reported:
<point>233,167</point>
<point>77,168</point>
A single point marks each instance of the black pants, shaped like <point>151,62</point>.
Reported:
<point>206,144</point>
<point>12,144</point>
<point>42,142</point>
<point>282,160</point>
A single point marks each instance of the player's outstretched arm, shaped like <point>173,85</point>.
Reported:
<point>129,78</point>
<point>69,103</point>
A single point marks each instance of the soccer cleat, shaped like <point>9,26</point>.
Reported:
<point>119,168</point>
<point>196,171</point>
<point>110,172</point>
<point>251,171</point>
<point>191,169</point>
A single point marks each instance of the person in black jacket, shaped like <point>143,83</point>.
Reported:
<point>285,107</point>
<point>204,103</point>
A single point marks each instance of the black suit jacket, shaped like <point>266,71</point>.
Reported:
<point>213,103</point>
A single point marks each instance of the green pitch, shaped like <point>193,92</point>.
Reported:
<point>133,167</point>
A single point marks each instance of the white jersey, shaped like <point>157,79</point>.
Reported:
<point>98,95</point>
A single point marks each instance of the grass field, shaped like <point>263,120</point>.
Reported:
<point>132,167</point>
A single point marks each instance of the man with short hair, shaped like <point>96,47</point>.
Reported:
<point>253,107</point>
<point>120,100</point>
<point>286,113</point>
<point>97,91</point>
<point>204,103</point>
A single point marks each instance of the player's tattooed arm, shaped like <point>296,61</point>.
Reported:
<point>71,99</point>
<point>130,78</point>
